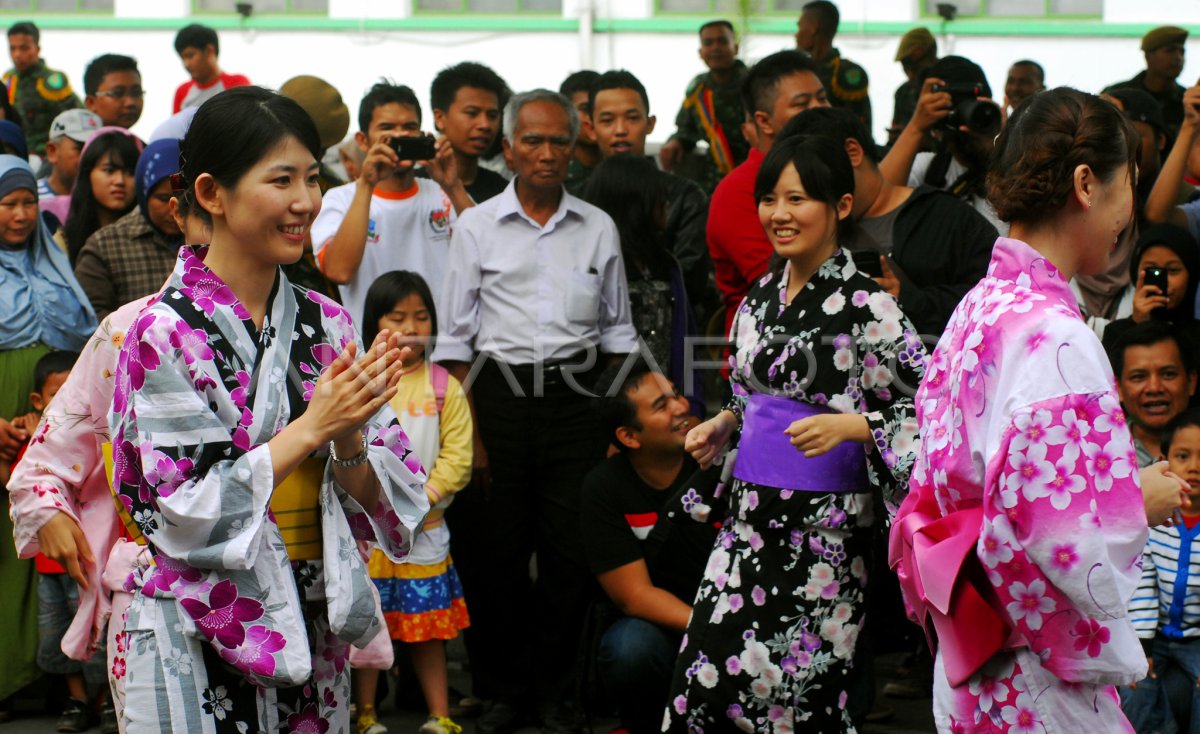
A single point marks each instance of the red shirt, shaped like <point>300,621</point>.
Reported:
<point>737,243</point>
<point>191,94</point>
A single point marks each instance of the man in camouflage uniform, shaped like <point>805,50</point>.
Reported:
<point>916,53</point>
<point>38,92</point>
<point>712,109</point>
<point>845,81</point>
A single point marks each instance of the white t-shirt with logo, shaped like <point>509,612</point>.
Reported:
<point>409,230</point>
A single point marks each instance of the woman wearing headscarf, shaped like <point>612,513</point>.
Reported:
<point>133,256</point>
<point>1174,251</point>
<point>42,308</point>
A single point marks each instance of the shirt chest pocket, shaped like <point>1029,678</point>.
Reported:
<point>583,297</point>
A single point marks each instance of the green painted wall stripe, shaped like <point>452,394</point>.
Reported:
<point>541,23</point>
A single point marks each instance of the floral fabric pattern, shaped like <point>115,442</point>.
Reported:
<point>1019,416</point>
<point>199,392</point>
<point>775,621</point>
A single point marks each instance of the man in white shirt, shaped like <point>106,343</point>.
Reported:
<point>536,295</point>
<point>388,219</point>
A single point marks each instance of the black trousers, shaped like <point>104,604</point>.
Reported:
<point>524,636</point>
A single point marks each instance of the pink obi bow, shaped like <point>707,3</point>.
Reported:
<point>941,577</point>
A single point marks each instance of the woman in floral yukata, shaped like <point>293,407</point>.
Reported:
<point>229,388</point>
<point>823,365</point>
<point>1020,541</point>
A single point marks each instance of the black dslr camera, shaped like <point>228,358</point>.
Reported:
<point>969,110</point>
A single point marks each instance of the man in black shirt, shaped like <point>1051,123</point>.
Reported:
<point>467,99</point>
<point>648,566</point>
<point>620,115</point>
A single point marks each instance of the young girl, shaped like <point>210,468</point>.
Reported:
<point>250,449</point>
<point>103,190</point>
<point>422,598</point>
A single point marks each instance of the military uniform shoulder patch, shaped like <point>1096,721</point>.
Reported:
<point>695,83</point>
<point>54,86</point>
<point>849,81</point>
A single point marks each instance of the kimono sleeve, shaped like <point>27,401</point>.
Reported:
<point>401,505</point>
<point>197,494</point>
<point>1063,533</point>
<point>64,454</point>
<point>890,370</point>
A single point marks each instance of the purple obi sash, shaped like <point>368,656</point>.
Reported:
<point>766,455</point>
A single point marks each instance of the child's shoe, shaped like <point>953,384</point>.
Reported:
<point>439,725</point>
<point>75,717</point>
<point>367,723</point>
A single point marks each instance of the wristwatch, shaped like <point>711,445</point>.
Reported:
<point>357,460</point>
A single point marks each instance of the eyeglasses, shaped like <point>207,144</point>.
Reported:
<point>122,92</point>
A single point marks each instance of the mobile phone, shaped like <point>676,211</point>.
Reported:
<point>1156,277</point>
<point>414,148</point>
<point>867,262</point>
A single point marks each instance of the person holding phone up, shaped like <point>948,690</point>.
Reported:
<point>1163,272</point>
<point>388,218</point>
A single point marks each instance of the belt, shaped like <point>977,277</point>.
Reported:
<point>944,584</point>
<point>295,505</point>
<point>767,457</point>
<point>559,373</point>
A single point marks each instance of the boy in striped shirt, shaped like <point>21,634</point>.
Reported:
<point>1165,609</point>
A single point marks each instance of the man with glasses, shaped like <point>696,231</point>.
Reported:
<point>38,92</point>
<point>113,86</point>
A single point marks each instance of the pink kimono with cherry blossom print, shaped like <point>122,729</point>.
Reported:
<point>63,471</point>
<point>1019,416</point>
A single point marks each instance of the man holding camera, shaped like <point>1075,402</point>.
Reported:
<point>388,218</point>
<point>956,109</point>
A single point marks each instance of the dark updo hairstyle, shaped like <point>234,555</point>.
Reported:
<point>631,190</point>
<point>383,295</point>
<point>232,132</point>
<point>83,213</point>
<point>1032,171</point>
<point>823,165</point>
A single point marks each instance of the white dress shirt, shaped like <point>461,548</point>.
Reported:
<point>522,293</point>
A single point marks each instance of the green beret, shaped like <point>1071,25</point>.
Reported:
<point>1163,35</point>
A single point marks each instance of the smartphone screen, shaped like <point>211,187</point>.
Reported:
<point>1156,277</point>
<point>867,261</point>
<point>420,148</point>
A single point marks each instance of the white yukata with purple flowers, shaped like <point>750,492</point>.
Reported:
<point>225,632</point>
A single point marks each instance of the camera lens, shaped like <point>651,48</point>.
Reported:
<point>978,115</point>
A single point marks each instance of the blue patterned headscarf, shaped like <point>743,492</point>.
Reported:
<point>40,300</point>
<point>159,160</point>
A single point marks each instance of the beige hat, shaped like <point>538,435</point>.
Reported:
<point>324,105</point>
<point>1163,35</point>
<point>916,39</point>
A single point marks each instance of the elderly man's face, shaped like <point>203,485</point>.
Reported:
<point>541,148</point>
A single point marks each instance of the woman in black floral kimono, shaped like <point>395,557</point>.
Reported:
<point>823,370</point>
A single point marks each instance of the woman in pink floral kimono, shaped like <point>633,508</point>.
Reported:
<point>1020,540</point>
<point>252,448</point>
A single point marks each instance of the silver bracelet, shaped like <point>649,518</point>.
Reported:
<point>357,460</point>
